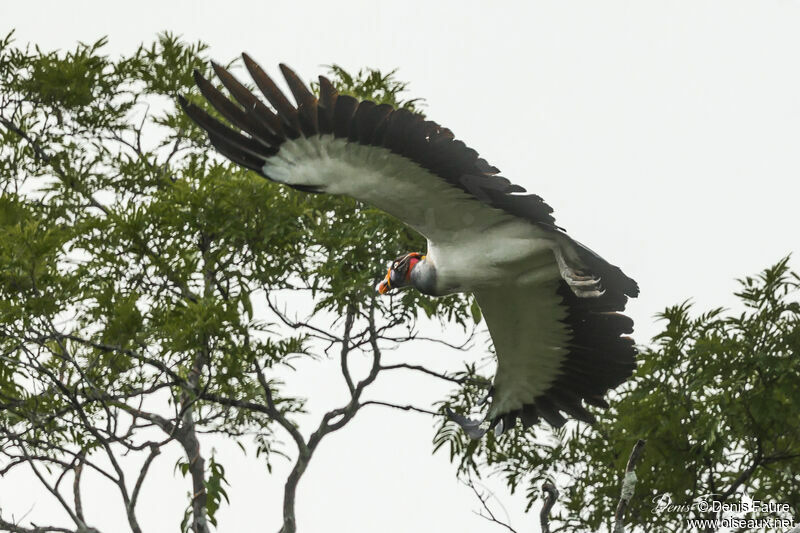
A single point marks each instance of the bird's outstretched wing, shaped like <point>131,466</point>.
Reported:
<point>393,159</point>
<point>554,351</point>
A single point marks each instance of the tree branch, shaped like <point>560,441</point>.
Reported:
<point>154,451</point>
<point>326,426</point>
<point>551,495</point>
<point>14,528</point>
<point>348,325</point>
<point>485,504</point>
<point>424,370</point>
<point>276,414</point>
<point>401,407</point>
<point>628,487</point>
<point>746,474</point>
<point>76,486</point>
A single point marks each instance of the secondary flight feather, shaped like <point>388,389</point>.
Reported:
<point>552,306</point>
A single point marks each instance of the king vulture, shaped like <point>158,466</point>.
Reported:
<point>551,304</point>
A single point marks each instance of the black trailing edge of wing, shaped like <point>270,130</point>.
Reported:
<point>600,357</point>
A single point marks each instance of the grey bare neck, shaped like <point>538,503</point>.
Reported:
<point>423,277</point>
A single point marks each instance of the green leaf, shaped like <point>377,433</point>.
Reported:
<point>475,310</point>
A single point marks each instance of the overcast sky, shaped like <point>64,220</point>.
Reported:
<point>664,134</point>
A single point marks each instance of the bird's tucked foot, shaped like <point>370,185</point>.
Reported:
<point>475,429</point>
<point>582,284</point>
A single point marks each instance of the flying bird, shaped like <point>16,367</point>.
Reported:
<point>552,305</point>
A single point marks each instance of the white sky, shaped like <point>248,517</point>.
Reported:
<point>664,134</point>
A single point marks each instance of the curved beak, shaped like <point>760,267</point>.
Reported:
<point>385,284</point>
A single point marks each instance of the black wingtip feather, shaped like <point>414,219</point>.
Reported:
<point>235,154</point>
<point>234,138</point>
<point>306,101</point>
<point>235,114</point>
<point>343,114</point>
<point>286,111</point>
<point>326,104</point>
<point>327,92</point>
<point>270,125</point>
<point>299,89</point>
<point>549,412</point>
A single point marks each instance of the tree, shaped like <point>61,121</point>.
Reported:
<point>150,290</point>
<point>152,293</point>
<point>716,398</point>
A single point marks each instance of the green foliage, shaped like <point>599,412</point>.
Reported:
<point>715,397</point>
<point>214,488</point>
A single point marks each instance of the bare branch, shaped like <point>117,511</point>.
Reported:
<point>295,324</point>
<point>466,345</point>
<point>551,495</point>
<point>76,486</point>
<point>14,528</point>
<point>628,487</point>
<point>424,370</point>
<point>484,499</point>
<point>154,451</point>
<point>331,421</point>
<point>348,325</point>
<point>55,493</point>
<point>402,407</point>
<point>276,414</point>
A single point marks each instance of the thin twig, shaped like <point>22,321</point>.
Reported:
<point>401,407</point>
<point>484,503</point>
<point>424,370</point>
<point>14,528</point>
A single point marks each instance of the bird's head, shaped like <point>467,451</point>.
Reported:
<point>399,273</point>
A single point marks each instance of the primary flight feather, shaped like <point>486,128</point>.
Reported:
<point>552,305</point>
